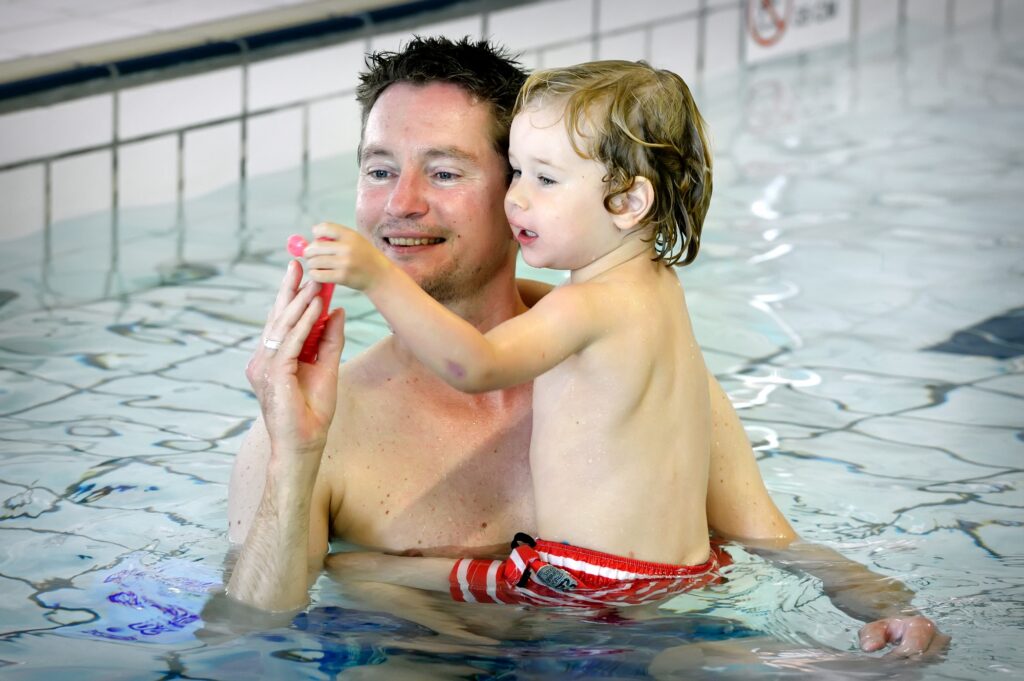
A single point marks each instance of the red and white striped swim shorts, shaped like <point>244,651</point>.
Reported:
<point>553,574</point>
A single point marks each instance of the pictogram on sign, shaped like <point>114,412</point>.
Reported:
<point>767,20</point>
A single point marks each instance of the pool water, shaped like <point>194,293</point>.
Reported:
<point>858,294</point>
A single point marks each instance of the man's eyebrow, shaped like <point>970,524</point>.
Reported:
<point>450,152</point>
<point>368,152</point>
<point>431,154</point>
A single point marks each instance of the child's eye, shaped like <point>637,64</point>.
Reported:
<point>546,181</point>
<point>516,173</point>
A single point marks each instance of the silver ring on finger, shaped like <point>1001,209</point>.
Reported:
<point>271,344</point>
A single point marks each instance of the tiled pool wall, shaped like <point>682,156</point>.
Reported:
<point>173,140</point>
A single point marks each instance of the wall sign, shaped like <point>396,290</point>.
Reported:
<point>780,27</point>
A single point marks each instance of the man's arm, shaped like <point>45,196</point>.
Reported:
<point>739,507</point>
<point>284,535</point>
<point>281,525</point>
<point>738,503</point>
<point>531,291</point>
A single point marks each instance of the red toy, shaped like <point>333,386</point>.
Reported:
<point>297,246</point>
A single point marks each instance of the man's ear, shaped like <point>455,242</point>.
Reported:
<point>631,206</point>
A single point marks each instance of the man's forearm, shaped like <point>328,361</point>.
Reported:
<point>274,568</point>
<point>851,586</point>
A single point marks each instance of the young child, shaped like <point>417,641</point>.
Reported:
<point>611,180</point>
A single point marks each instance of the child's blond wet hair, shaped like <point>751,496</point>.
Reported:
<point>637,121</point>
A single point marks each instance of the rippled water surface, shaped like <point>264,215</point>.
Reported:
<point>858,294</point>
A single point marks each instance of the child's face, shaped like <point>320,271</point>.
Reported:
<point>555,203</point>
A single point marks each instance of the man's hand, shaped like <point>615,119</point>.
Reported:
<point>342,256</point>
<point>913,635</point>
<point>297,399</point>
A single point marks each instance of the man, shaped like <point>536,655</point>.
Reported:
<point>384,454</point>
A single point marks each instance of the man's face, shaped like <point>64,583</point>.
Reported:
<point>431,188</point>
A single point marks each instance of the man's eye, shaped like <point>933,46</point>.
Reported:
<point>445,175</point>
<point>379,174</point>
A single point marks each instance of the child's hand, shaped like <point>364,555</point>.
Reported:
<point>342,256</point>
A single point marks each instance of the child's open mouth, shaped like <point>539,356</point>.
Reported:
<point>525,236</point>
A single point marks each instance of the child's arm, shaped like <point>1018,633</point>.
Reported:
<point>522,348</point>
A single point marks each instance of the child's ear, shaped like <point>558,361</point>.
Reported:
<point>631,206</point>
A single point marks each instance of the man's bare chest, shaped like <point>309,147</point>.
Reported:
<point>425,482</point>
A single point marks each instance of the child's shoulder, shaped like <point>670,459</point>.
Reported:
<point>602,299</point>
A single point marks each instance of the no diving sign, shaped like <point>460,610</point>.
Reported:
<point>780,27</point>
<point>767,20</point>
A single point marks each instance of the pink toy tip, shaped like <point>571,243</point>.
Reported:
<point>297,245</point>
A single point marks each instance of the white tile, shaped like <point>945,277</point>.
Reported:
<point>211,158</point>
<point>274,142</point>
<point>88,7</point>
<point>1012,12</point>
<point>971,12</point>
<point>721,42</point>
<point>54,36</point>
<point>389,42</point>
<point>529,60</point>
<point>22,194</point>
<point>148,172</point>
<point>876,15</point>
<point>613,14</point>
<point>181,102</point>
<point>334,127</point>
<point>81,185</point>
<point>674,47</point>
<point>15,16</point>
<point>566,55</point>
<point>54,129</point>
<point>178,13</point>
<point>455,29</point>
<point>302,76</point>
<point>631,46</point>
<point>927,12</point>
<point>541,24</point>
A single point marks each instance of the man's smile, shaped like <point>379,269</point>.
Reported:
<point>412,241</point>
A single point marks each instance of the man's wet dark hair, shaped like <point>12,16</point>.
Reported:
<point>486,71</point>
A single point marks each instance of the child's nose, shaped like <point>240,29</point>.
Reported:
<point>514,199</point>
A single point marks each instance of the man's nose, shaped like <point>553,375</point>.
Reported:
<point>407,197</point>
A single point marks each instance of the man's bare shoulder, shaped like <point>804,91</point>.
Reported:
<point>374,368</point>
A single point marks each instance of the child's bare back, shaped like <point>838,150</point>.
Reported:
<point>619,450</point>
